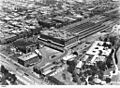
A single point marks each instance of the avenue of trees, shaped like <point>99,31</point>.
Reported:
<point>7,76</point>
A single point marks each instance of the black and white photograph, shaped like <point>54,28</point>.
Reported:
<point>59,42</point>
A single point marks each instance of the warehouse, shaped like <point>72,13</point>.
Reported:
<point>28,59</point>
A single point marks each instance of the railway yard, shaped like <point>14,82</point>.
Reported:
<point>59,42</point>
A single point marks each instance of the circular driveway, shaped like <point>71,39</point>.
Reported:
<point>46,58</point>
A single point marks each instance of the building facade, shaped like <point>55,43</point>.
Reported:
<point>29,59</point>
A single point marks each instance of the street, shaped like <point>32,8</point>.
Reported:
<point>31,79</point>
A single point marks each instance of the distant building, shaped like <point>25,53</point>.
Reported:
<point>68,34</point>
<point>28,59</point>
<point>8,38</point>
<point>46,23</point>
<point>88,1</point>
<point>48,1</point>
<point>80,1</point>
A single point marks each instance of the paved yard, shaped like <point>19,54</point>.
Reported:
<point>49,55</point>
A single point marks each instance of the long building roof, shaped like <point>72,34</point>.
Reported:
<point>28,56</point>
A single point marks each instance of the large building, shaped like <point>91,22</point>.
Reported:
<point>58,38</point>
<point>28,59</point>
<point>98,51</point>
<point>70,34</point>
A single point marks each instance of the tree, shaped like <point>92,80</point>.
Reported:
<point>108,80</point>
<point>4,70</point>
<point>109,60</point>
<point>101,74</point>
<point>89,72</point>
<point>75,53</point>
<point>83,79</point>
<point>94,68</point>
<point>13,78</point>
<point>101,65</point>
<point>4,83</point>
<point>37,70</point>
<point>75,76</point>
<point>112,40</point>
<point>90,80</point>
<point>64,76</point>
<point>71,65</point>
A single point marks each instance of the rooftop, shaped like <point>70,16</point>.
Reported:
<point>97,47</point>
<point>6,36</point>
<point>28,56</point>
<point>58,75</point>
<point>59,34</point>
<point>98,51</point>
<point>22,42</point>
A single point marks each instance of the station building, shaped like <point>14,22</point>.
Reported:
<point>69,34</point>
<point>58,41</point>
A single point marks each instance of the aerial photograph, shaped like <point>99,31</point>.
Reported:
<point>59,42</point>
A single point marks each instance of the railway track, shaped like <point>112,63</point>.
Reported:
<point>95,30</point>
<point>68,27</point>
<point>98,27</point>
<point>90,28</point>
<point>80,27</point>
<point>88,25</point>
<point>90,32</point>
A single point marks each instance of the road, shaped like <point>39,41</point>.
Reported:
<point>83,34</point>
<point>19,71</point>
<point>19,82</point>
<point>13,69</point>
<point>116,75</point>
<point>46,59</point>
<point>118,57</point>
